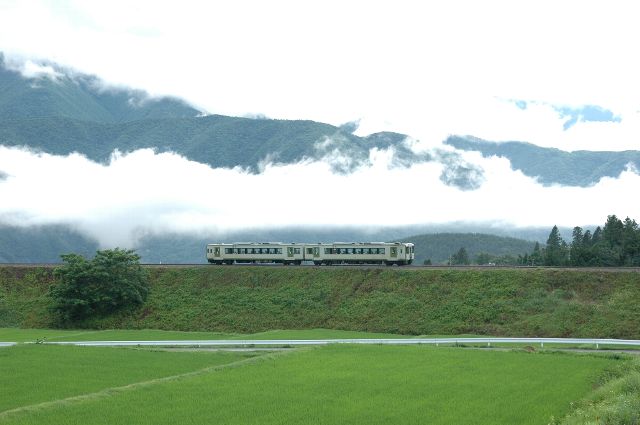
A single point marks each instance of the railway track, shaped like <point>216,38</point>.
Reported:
<point>354,266</point>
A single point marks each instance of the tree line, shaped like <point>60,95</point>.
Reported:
<point>617,243</point>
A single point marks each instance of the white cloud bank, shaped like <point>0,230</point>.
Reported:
<point>148,192</point>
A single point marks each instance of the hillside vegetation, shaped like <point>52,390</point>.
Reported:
<point>440,246</point>
<point>531,302</point>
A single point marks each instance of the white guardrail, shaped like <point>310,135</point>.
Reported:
<point>392,341</point>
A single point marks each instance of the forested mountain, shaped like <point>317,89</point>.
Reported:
<point>61,111</point>
<point>41,244</point>
<point>216,140</point>
<point>62,93</point>
<point>553,166</point>
<point>440,247</point>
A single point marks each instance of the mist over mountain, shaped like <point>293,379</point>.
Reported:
<point>55,110</point>
<point>553,166</point>
<point>36,90</point>
<point>280,177</point>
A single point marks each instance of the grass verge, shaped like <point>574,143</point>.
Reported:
<point>617,402</point>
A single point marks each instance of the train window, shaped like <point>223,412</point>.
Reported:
<point>295,250</point>
<point>309,250</point>
<point>227,250</point>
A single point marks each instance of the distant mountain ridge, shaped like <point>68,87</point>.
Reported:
<point>61,111</point>
<point>553,166</point>
<point>64,94</point>
<point>216,140</point>
<point>438,247</point>
<point>70,112</point>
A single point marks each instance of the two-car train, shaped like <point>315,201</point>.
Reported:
<point>389,253</point>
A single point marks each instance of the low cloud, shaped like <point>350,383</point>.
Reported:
<point>145,192</point>
<point>34,70</point>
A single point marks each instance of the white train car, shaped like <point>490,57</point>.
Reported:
<point>248,252</point>
<point>388,253</point>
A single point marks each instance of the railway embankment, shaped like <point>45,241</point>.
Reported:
<point>501,302</point>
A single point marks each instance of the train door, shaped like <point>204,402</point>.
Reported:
<point>289,252</point>
<point>216,251</point>
<point>394,252</point>
<point>316,251</point>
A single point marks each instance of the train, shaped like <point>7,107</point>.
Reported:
<point>387,253</point>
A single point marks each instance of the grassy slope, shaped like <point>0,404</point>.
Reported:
<point>254,299</point>
<point>352,385</point>
<point>32,335</point>
<point>615,402</point>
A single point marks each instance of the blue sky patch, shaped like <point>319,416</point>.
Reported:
<point>586,113</point>
<point>522,104</point>
<point>572,116</point>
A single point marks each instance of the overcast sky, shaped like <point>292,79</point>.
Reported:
<point>553,73</point>
<point>500,70</point>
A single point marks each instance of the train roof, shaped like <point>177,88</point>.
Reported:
<point>310,243</point>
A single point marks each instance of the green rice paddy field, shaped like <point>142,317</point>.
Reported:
<point>336,384</point>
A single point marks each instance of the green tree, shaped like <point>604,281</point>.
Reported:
<point>484,258</point>
<point>630,243</point>
<point>556,251</point>
<point>578,251</point>
<point>536,257</point>
<point>111,281</point>
<point>612,233</point>
<point>460,258</point>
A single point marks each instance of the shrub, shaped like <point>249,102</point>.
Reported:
<point>112,281</point>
